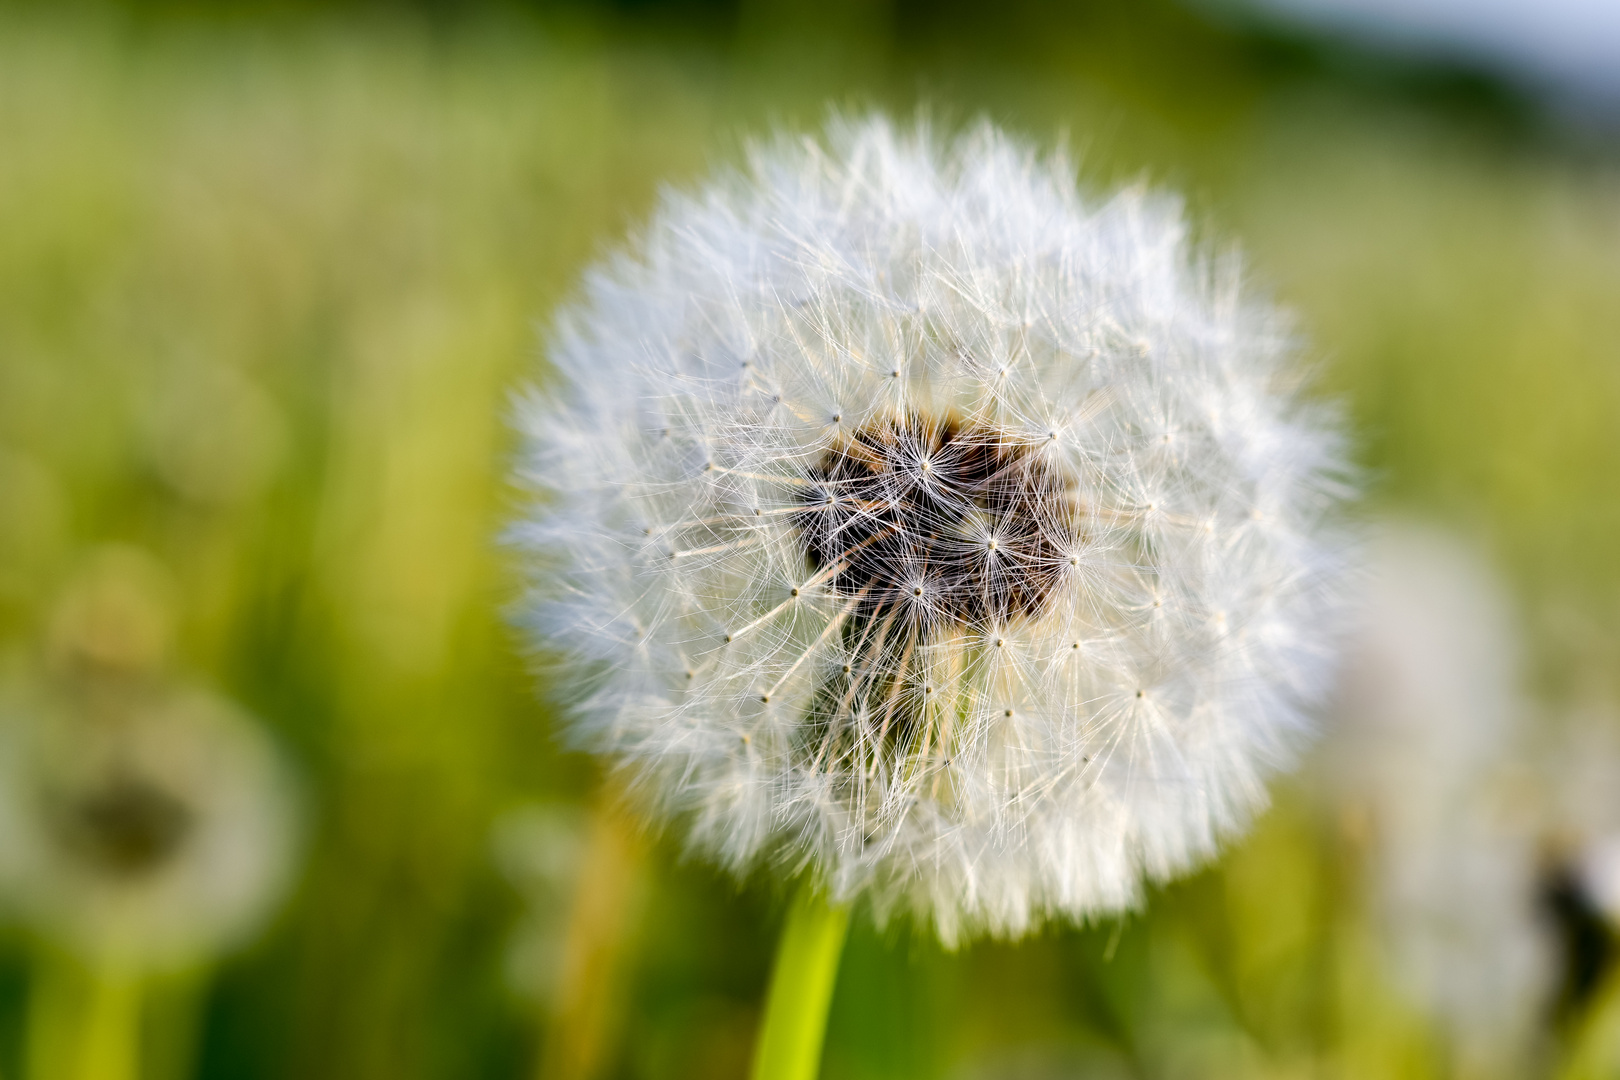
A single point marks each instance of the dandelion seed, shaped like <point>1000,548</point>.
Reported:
<point>939,512</point>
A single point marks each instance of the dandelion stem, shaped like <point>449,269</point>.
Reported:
<point>110,1049</point>
<point>84,1021</point>
<point>790,1039</point>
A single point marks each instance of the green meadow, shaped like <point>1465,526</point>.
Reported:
<point>269,280</point>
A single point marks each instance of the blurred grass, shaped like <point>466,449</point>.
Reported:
<point>266,281</point>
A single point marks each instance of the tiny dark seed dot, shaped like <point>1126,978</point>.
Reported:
<point>795,592</point>
<point>728,638</point>
<point>757,511</point>
<point>1008,712</point>
<point>1076,645</point>
<point>916,590</point>
<point>766,698</point>
<point>846,669</point>
<point>708,465</point>
<point>928,689</point>
<point>999,643</point>
<point>1141,693</point>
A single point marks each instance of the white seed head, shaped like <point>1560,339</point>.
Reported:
<point>145,840</point>
<point>1427,758</point>
<point>1002,357</point>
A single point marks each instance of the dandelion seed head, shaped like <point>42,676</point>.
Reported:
<point>147,841</point>
<point>144,823</point>
<point>1426,757</point>
<point>949,442</point>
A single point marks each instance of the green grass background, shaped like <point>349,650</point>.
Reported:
<point>268,277</point>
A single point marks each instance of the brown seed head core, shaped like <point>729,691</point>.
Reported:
<point>933,522</point>
<point>127,828</point>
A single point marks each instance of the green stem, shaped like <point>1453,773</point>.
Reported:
<point>84,1021</point>
<point>795,1024</point>
<point>111,1037</point>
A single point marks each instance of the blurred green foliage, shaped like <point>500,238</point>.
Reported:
<point>269,276</point>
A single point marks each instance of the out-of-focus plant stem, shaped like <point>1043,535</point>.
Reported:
<point>586,1006</point>
<point>111,1036</point>
<point>84,1023</point>
<point>795,1025</point>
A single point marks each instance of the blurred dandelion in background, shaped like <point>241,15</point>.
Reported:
<point>1431,762</point>
<point>146,825</point>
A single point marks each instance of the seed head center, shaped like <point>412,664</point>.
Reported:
<point>125,827</point>
<point>909,543</point>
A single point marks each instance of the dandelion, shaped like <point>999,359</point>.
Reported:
<point>145,825</point>
<point>152,843</point>
<point>1426,754</point>
<point>913,521</point>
